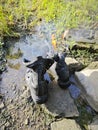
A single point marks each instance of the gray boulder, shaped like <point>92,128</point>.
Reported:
<point>80,35</point>
<point>88,82</point>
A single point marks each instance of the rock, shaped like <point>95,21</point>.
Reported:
<point>88,82</point>
<point>80,35</point>
<point>1,105</point>
<point>70,60</point>
<point>88,47</point>
<point>25,88</point>
<point>14,86</point>
<point>10,106</point>
<point>27,121</point>
<point>11,100</point>
<point>60,102</point>
<point>7,124</point>
<point>1,95</point>
<point>25,94</point>
<point>94,124</point>
<point>96,37</point>
<point>73,64</point>
<point>65,34</point>
<point>14,91</point>
<point>65,124</point>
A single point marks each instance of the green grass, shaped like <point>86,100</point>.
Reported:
<point>20,15</point>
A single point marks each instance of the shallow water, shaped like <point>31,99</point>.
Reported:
<point>29,47</point>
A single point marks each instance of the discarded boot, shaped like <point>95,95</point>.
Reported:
<point>35,79</point>
<point>62,71</point>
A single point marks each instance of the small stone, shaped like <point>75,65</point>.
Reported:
<point>1,95</point>
<point>65,34</point>
<point>2,105</point>
<point>10,107</point>
<point>14,92</point>
<point>24,88</point>
<point>7,124</point>
<point>27,121</point>
<point>3,127</point>
<point>11,100</point>
<point>73,64</point>
<point>14,87</point>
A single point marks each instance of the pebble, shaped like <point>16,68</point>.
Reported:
<point>14,87</point>
<point>24,88</point>
<point>27,121</point>
<point>7,124</point>
<point>2,105</point>
<point>11,101</point>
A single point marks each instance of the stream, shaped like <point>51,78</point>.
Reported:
<point>30,46</point>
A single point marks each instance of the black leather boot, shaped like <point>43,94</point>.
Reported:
<point>62,71</point>
<point>35,79</point>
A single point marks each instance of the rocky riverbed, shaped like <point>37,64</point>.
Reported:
<point>65,109</point>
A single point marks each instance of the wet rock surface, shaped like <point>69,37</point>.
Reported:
<point>60,103</point>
